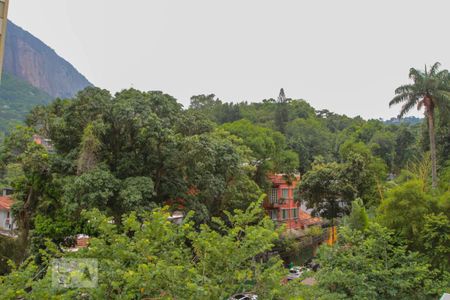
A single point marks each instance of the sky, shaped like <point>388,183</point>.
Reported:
<point>346,56</point>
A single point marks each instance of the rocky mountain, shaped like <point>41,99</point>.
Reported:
<point>29,59</point>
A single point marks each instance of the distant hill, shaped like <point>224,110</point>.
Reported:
<point>408,120</point>
<point>17,98</point>
<point>32,74</point>
<point>29,59</point>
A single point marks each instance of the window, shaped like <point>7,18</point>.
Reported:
<point>295,213</point>
<point>273,214</point>
<point>285,214</point>
<point>285,193</point>
<point>274,196</point>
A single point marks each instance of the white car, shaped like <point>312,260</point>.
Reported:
<point>244,296</point>
<point>296,272</point>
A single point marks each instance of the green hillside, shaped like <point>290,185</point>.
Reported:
<point>17,97</point>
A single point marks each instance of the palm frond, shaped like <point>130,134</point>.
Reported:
<point>441,99</point>
<point>414,73</point>
<point>430,82</point>
<point>407,107</point>
<point>434,68</point>
<point>444,79</point>
<point>400,98</point>
<point>407,88</point>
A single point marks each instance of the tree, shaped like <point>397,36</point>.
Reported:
<point>374,264</point>
<point>150,257</point>
<point>90,145</point>
<point>363,171</point>
<point>93,189</point>
<point>430,89</point>
<point>282,112</point>
<point>358,218</point>
<point>404,209</point>
<point>269,149</point>
<point>213,168</point>
<point>435,238</point>
<point>309,138</point>
<point>405,146</point>
<point>326,191</point>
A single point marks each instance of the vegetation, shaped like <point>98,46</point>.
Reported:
<point>17,98</point>
<point>120,164</point>
<point>430,90</point>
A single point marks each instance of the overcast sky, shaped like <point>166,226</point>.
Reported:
<point>346,56</point>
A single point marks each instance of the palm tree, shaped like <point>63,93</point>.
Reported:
<point>430,90</point>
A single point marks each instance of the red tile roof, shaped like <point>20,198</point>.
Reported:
<point>5,202</point>
<point>281,178</point>
<point>307,219</point>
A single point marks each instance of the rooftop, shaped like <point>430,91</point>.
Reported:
<point>5,202</point>
<point>307,219</point>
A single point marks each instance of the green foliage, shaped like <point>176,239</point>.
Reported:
<point>432,85</point>
<point>134,152</point>
<point>404,210</point>
<point>309,138</point>
<point>375,265</point>
<point>90,146</point>
<point>10,252</point>
<point>268,148</point>
<point>364,171</point>
<point>136,193</point>
<point>93,189</point>
<point>150,258</point>
<point>326,191</point>
<point>358,218</point>
<point>435,238</point>
<point>282,112</point>
<point>213,108</point>
<point>17,98</point>
<point>431,90</point>
<point>406,147</point>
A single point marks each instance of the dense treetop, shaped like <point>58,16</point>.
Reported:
<point>119,164</point>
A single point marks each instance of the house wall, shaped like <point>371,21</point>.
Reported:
<point>279,183</point>
<point>3,216</point>
<point>3,220</point>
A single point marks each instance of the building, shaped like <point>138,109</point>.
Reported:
<point>6,217</point>
<point>45,142</point>
<point>284,206</point>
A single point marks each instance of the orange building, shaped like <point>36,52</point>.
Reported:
<point>283,206</point>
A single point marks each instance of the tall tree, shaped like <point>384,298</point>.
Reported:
<point>282,113</point>
<point>326,190</point>
<point>431,90</point>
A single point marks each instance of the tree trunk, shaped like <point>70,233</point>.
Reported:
<point>430,117</point>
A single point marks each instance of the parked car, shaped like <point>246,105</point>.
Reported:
<point>296,272</point>
<point>244,296</point>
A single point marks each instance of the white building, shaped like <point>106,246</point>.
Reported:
<point>6,217</point>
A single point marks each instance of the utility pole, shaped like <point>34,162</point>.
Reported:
<point>3,22</point>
